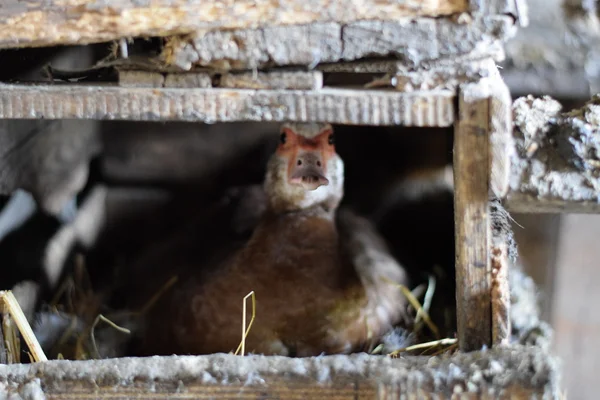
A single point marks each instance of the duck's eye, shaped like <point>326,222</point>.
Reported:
<point>282,138</point>
<point>331,139</point>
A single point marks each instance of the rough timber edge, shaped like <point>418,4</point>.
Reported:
<point>339,106</point>
<point>471,216</point>
<point>514,372</point>
<point>29,23</point>
<point>412,41</point>
<point>60,22</point>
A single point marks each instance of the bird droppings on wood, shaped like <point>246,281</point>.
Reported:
<point>410,41</point>
<point>494,372</point>
<point>555,165</point>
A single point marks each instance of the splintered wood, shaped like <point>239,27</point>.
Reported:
<point>471,210</point>
<point>54,22</point>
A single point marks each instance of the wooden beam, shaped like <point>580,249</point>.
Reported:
<point>53,22</point>
<point>411,42</point>
<point>471,209</point>
<point>338,106</point>
<point>509,373</point>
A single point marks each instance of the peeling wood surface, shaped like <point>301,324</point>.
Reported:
<point>53,22</point>
<point>472,225</point>
<point>411,41</point>
<point>513,372</point>
<point>340,106</point>
<point>501,139</point>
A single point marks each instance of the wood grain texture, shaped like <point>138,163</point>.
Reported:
<point>340,106</point>
<point>138,78</point>
<point>471,208</point>
<point>410,41</point>
<point>509,373</point>
<point>53,22</point>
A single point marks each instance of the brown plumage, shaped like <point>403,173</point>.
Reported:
<point>321,276</point>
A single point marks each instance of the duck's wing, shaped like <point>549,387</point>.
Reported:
<point>209,238</point>
<point>377,269</point>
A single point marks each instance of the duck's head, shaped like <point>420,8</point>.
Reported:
<point>305,171</point>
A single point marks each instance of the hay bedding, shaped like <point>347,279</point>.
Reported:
<point>78,325</point>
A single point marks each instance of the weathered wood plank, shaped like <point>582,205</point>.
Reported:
<point>515,372</point>
<point>53,22</point>
<point>191,80</point>
<point>471,208</point>
<point>501,139</point>
<point>555,164</point>
<point>309,80</point>
<point>141,79</point>
<point>339,106</point>
<point>410,41</point>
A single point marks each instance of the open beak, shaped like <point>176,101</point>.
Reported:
<point>308,171</point>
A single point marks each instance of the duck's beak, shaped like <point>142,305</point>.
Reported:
<point>308,170</point>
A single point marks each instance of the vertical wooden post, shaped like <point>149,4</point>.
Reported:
<point>501,150</point>
<point>471,211</point>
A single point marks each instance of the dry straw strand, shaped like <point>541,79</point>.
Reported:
<point>11,305</point>
<point>245,331</point>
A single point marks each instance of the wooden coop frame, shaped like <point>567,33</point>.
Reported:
<point>436,62</point>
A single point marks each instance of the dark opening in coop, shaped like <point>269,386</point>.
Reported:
<point>166,204</point>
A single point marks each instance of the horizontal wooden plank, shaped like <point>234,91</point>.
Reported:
<point>52,22</point>
<point>339,106</point>
<point>410,41</point>
<point>531,204</point>
<point>303,80</point>
<point>503,373</point>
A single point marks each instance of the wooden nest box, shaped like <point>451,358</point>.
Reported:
<point>225,61</point>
